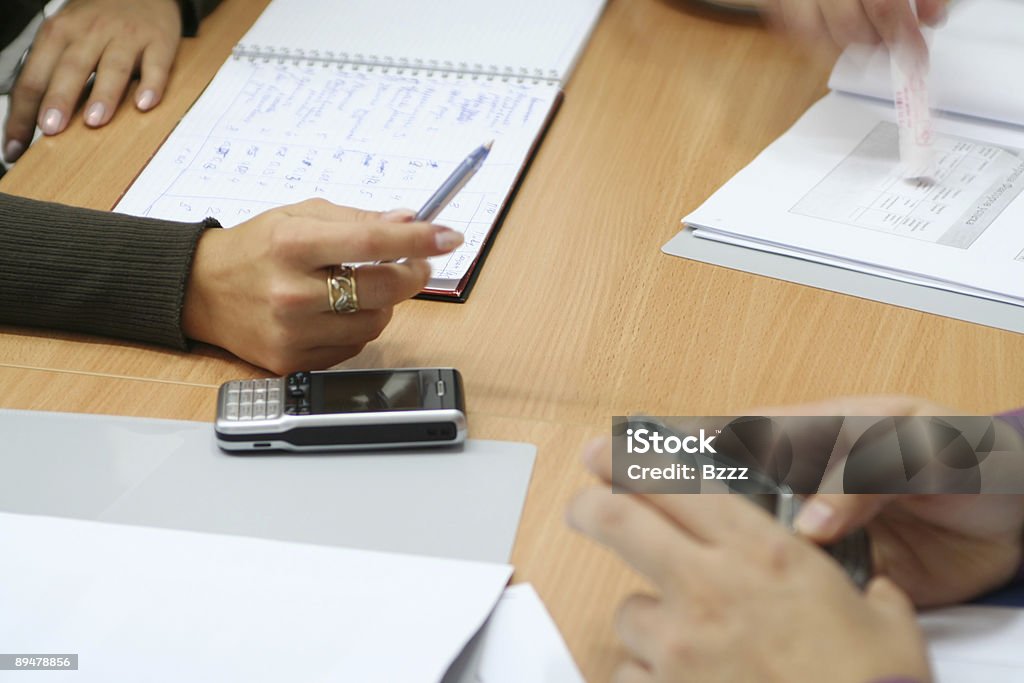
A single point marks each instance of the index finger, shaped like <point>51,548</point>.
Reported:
<point>897,24</point>
<point>316,243</point>
<point>647,540</point>
<point>29,90</point>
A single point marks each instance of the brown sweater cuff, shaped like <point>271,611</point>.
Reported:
<point>93,271</point>
<point>193,12</point>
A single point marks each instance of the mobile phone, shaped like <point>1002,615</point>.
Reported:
<point>341,410</point>
<point>852,552</point>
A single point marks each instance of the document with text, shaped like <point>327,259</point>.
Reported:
<point>831,190</point>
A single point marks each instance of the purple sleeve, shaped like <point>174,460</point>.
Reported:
<point>1015,418</point>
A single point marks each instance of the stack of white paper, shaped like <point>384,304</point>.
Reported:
<point>832,190</point>
<point>159,605</point>
<point>975,63</point>
<point>518,643</point>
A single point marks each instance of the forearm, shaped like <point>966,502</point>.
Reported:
<point>95,272</point>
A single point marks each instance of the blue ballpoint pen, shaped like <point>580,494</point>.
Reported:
<point>455,182</point>
<point>450,187</point>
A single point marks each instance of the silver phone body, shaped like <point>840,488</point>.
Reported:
<point>343,410</point>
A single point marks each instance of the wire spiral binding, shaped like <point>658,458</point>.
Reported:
<point>402,67</point>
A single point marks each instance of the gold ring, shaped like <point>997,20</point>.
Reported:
<point>341,289</point>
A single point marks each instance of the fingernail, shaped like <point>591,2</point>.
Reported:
<point>448,239</point>
<point>51,122</point>
<point>13,151</point>
<point>815,519</point>
<point>94,116</point>
<point>941,15</point>
<point>146,100</point>
<point>398,215</point>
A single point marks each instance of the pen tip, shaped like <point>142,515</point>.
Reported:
<point>489,145</point>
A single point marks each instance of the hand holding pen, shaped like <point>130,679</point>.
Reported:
<point>451,186</point>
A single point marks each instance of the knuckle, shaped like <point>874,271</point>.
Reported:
<point>104,23</point>
<point>609,516</point>
<point>677,647</point>
<point>372,241</point>
<point>281,241</point>
<point>118,63</point>
<point>880,9</point>
<point>77,61</point>
<point>284,298</point>
<point>847,27</point>
<point>166,42</point>
<point>316,203</point>
<point>806,28</point>
<point>54,28</point>
<point>29,86</point>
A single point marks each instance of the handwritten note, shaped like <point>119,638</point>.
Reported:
<point>265,134</point>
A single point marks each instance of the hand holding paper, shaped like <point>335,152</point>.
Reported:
<point>842,22</point>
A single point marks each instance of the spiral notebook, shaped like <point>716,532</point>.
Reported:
<point>372,103</point>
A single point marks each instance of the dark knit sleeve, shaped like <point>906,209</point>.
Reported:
<point>192,12</point>
<point>93,271</point>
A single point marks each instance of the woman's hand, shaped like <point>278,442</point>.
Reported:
<point>842,22</point>
<point>738,598</point>
<point>114,39</point>
<point>940,549</point>
<point>260,290</point>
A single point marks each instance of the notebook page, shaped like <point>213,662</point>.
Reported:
<point>265,134</point>
<point>535,37</point>
<point>976,63</point>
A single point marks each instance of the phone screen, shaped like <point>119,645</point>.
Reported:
<point>361,392</point>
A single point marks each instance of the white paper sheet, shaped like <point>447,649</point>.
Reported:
<point>975,644</point>
<point>519,643</point>
<point>157,605</point>
<point>831,187</point>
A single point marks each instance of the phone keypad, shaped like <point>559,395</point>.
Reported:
<point>253,399</point>
<point>296,398</point>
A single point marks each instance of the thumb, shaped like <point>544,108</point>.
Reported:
<point>932,12</point>
<point>824,518</point>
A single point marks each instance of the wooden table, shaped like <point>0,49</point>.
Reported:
<point>577,315</point>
